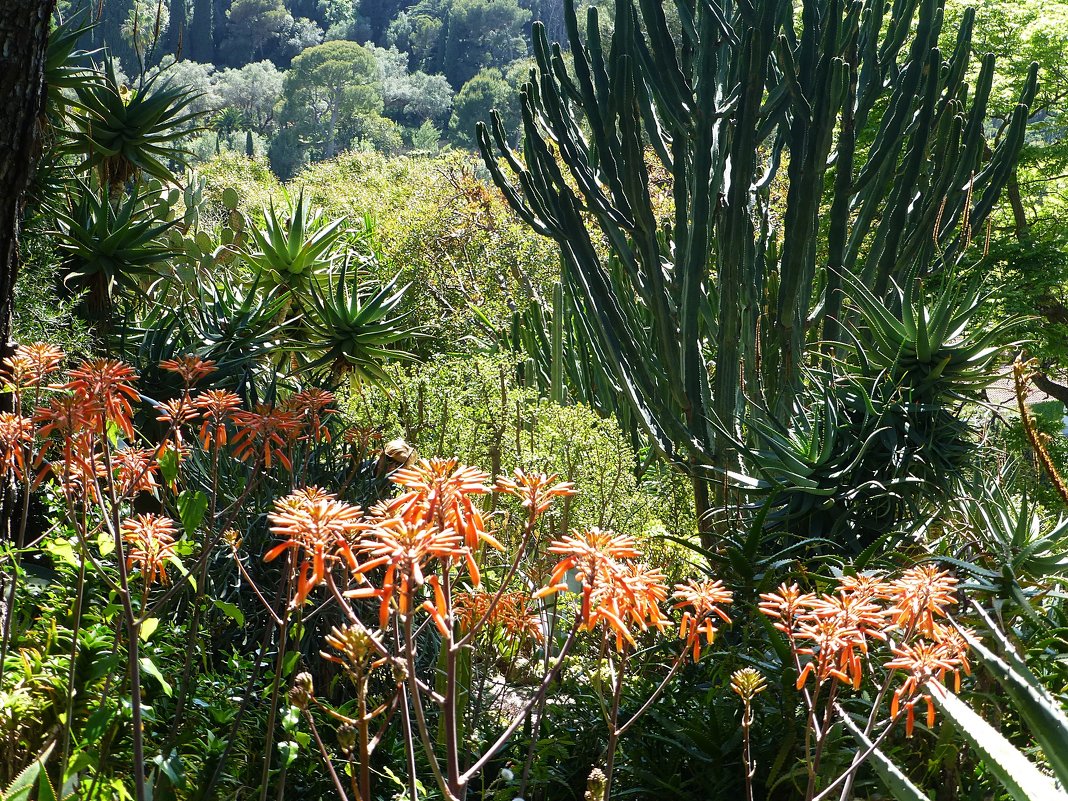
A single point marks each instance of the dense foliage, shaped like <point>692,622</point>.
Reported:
<point>683,445</point>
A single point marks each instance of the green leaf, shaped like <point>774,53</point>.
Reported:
<point>192,504</point>
<point>290,662</point>
<point>1017,774</point>
<point>98,723</point>
<point>105,542</point>
<point>171,767</point>
<point>149,667</point>
<point>63,551</point>
<point>231,611</point>
<point>289,750</point>
<point>168,465</point>
<point>148,628</point>
<point>899,785</point>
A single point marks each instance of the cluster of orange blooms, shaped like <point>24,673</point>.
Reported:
<point>67,435</point>
<point>835,631</point>
<point>510,611</point>
<point>434,525</point>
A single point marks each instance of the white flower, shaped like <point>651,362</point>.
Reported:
<point>507,775</point>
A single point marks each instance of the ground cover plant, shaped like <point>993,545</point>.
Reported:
<point>672,433</point>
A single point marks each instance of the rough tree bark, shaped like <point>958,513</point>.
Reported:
<point>23,40</point>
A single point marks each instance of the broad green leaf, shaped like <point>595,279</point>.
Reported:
<point>231,611</point>
<point>105,542</point>
<point>148,628</point>
<point>168,465</point>
<point>149,667</point>
<point>192,504</point>
<point>63,551</point>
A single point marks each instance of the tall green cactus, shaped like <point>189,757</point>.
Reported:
<point>797,144</point>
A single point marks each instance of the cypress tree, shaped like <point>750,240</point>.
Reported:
<point>176,33</point>
<point>199,45</point>
<point>250,150</point>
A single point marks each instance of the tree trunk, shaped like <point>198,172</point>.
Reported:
<point>23,40</point>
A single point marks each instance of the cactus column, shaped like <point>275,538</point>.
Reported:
<point>756,113</point>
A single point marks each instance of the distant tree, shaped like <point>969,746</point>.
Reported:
<point>418,32</point>
<point>379,13</point>
<point>411,97</point>
<point>145,27</point>
<point>254,90</point>
<point>200,79</point>
<point>426,137</point>
<point>485,92</point>
<point>326,88</point>
<point>480,34</point>
<point>250,148</point>
<point>200,45</point>
<point>251,25</point>
<point>297,36</point>
<point>176,44</point>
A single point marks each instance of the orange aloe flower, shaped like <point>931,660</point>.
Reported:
<point>16,434</point>
<point>316,523</point>
<point>191,368</point>
<point>439,493</point>
<point>834,651</point>
<point>82,466</point>
<point>597,556</point>
<point>786,606</point>
<point>405,550</point>
<point>262,433</point>
<point>922,661</point>
<point>31,364</point>
<point>312,406</point>
<point>136,468</point>
<point>535,490</point>
<point>921,595</point>
<point>956,648</point>
<point>702,601</point>
<point>66,416</point>
<point>176,413</point>
<point>216,406</point>
<point>109,385</point>
<point>152,540</point>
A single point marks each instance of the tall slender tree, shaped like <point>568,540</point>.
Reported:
<point>23,42</point>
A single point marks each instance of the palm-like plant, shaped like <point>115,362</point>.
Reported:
<point>932,350</point>
<point>108,243</point>
<point>233,325</point>
<point>122,132</point>
<point>1019,547</point>
<point>292,248</point>
<point>355,328</point>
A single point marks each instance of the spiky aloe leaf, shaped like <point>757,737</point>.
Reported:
<point>1044,716</point>
<point>123,132</point>
<point>23,784</point>
<point>292,248</point>
<point>1017,774</point>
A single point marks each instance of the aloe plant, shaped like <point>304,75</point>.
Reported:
<point>934,350</point>
<point>355,328</point>
<point>123,132</point>
<point>295,246</point>
<point>108,242</point>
